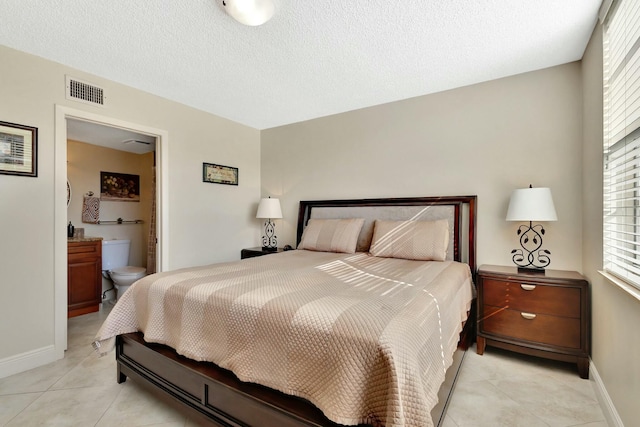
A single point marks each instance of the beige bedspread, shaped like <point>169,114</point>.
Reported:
<point>365,339</point>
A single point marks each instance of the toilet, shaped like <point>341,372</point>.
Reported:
<point>115,260</point>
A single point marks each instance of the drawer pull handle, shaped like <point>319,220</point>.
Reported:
<point>528,316</point>
<point>527,287</point>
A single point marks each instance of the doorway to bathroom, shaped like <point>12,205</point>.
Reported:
<point>111,181</point>
<point>87,144</point>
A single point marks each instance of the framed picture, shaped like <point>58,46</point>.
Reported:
<point>219,174</point>
<point>18,149</point>
<point>119,187</point>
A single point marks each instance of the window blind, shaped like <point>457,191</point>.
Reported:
<point>621,66</point>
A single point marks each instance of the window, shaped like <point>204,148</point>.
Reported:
<point>621,55</point>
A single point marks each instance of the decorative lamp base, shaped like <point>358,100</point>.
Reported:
<point>269,240</point>
<point>531,258</point>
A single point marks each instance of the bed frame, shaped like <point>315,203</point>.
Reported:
<point>218,398</point>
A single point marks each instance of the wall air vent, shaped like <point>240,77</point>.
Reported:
<point>135,141</point>
<point>78,90</point>
<point>138,146</point>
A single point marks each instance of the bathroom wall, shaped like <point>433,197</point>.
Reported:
<point>84,164</point>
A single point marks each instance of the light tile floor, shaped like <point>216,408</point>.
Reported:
<point>497,389</point>
<point>503,388</point>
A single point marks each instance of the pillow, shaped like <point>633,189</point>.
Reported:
<point>331,235</point>
<point>417,240</point>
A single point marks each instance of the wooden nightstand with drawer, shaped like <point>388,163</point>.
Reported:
<point>546,315</point>
<point>254,252</point>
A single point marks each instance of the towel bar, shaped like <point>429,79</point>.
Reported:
<point>121,221</point>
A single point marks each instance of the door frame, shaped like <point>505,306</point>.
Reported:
<point>62,113</point>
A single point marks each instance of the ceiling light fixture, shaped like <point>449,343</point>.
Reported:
<point>249,12</point>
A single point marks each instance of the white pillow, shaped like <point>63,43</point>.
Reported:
<point>331,235</point>
<point>417,240</point>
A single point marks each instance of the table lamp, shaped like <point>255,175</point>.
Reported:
<point>531,204</point>
<point>269,209</point>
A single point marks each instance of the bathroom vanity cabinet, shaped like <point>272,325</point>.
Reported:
<point>84,275</point>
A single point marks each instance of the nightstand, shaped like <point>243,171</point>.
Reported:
<point>254,252</point>
<point>545,315</point>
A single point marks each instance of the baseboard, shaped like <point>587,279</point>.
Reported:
<point>27,360</point>
<point>608,409</point>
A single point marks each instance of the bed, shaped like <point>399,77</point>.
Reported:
<point>356,327</point>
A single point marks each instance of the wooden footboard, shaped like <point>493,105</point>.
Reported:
<point>219,398</point>
<point>210,391</point>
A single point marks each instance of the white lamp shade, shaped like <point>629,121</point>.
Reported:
<point>249,12</point>
<point>531,204</point>
<point>269,208</point>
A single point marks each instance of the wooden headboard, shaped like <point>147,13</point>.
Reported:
<point>459,210</point>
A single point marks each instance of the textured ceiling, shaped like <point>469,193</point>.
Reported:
<point>313,58</point>
<point>110,137</point>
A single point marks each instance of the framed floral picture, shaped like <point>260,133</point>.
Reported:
<point>119,187</point>
<point>18,149</point>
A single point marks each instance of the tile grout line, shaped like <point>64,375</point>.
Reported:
<point>109,406</point>
<point>26,407</point>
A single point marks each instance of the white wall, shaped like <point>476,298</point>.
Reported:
<point>207,222</point>
<point>615,313</point>
<point>487,139</point>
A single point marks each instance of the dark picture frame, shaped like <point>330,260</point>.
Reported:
<point>119,187</point>
<point>218,174</point>
<point>18,149</point>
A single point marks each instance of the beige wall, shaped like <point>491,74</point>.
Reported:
<point>206,222</point>
<point>615,314</point>
<point>487,139</point>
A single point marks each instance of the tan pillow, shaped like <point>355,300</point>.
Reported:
<point>331,235</point>
<point>418,240</point>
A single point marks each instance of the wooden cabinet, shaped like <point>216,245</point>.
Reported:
<point>254,252</point>
<point>546,315</point>
<point>84,276</point>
